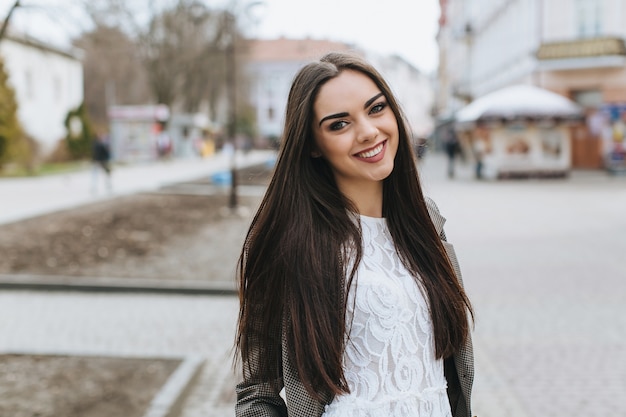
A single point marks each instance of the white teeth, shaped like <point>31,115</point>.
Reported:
<point>371,153</point>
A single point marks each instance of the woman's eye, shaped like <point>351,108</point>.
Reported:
<point>378,108</point>
<point>338,125</point>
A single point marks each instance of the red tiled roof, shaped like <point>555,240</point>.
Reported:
<point>283,49</point>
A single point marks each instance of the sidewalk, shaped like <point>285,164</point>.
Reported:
<point>22,198</point>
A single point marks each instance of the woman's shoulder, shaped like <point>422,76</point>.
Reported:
<point>435,215</point>
<point>432,206</point>
<point>433,209</point>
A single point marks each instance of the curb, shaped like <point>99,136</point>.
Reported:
<point>169,400</point>
<point>115,285</point>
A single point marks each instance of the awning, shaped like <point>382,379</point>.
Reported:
<point>518,102</point>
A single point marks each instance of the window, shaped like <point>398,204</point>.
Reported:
<point>57,88</point>
<point>28,84</point>
<point>588,18</point>
<point>270,85</point>
<point>588,98</point>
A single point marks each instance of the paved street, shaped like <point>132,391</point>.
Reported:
<point>543,262</point>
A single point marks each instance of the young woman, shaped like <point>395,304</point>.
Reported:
<point>350,297</point>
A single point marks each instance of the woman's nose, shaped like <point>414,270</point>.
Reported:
<point>367,130</point>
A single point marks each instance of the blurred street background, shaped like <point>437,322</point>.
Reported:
<point>125,109</point>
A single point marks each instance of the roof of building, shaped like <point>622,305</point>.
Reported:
<point>284,49</point>
<point>33,42</point>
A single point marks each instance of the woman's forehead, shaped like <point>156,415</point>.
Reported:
<point>350,88</point>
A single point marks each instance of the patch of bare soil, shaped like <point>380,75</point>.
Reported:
<point>170,236</point>
<point>159,236</point>
<point>53,386</point>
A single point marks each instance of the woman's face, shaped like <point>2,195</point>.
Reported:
<point>355,131</point>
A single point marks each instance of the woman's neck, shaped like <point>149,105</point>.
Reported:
<point>367,198</point>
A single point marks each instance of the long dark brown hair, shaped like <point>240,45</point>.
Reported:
<point>292,269</point>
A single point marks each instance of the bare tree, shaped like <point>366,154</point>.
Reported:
<point>181,67</point>
<point>113,74</point>
<point>205,65</point>
<point>172,52</point>
<point>184,51</point>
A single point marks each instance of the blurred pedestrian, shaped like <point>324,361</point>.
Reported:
<point>101,157</point>
<point>163,142</point>
<point>452,147</point>
<point>479,154</point>
<point>350,298</point>
<point>421,146</point>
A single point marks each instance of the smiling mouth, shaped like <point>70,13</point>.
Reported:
<point>372,152</point>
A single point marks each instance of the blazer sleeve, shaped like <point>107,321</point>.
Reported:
<point>258,398</point>
<point>459,369</point>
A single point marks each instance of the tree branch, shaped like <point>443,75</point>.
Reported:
<point>6,20</point>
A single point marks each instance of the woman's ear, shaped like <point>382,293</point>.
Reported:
<point>315,154</point>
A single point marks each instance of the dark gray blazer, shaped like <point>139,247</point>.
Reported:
<point>261,400</point>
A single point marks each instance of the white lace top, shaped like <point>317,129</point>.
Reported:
<point>389,362</point>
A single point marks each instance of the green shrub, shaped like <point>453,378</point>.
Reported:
<point>80,133</point>
<point>14,145</point>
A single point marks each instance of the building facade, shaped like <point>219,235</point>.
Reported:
<point>48,83</point>
<point>573,47</point>
<point>412,88</point>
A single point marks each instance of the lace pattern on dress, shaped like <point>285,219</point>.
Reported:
<point>389,362</point>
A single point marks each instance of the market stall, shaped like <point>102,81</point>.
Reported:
<point>138,132</point>
<point>518,131</point>
<point>611,123</point>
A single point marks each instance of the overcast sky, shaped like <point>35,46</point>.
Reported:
<point>404,27</point>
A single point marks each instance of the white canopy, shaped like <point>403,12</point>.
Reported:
<point>519,101</point>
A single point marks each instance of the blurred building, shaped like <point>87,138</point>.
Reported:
<point>48,83</point>
<point>573,47</point>
<point>273,64</point>
<point>412,88</point>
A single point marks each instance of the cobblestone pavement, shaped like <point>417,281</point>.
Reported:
<point>123,325</point>
<point>543,262</point>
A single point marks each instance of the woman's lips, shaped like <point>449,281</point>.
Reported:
<point>374,154</point>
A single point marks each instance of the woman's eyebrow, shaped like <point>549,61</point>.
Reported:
<point>371,100</point>
<point>334,116</point>
<point>345,114</point>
